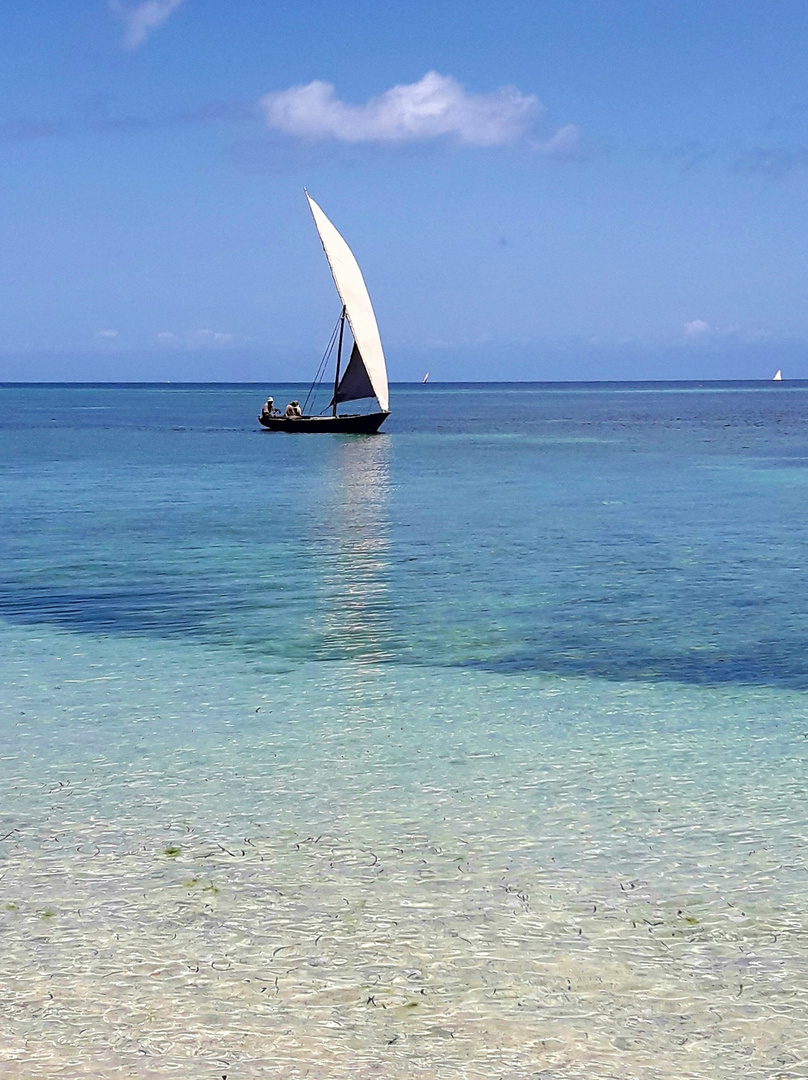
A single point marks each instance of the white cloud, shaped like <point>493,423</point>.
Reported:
<point>436,106</point>
<point>107,335</point>
<point>698,328</point>
<point>140,19</point>
<point>203,339</point>
<point>198,339</point>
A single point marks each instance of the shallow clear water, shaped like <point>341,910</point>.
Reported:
<point>477,748</point>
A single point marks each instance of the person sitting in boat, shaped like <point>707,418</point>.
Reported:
<point>269,408</point>
<point>293,410</point>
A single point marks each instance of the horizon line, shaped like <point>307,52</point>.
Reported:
<point>764,381</point>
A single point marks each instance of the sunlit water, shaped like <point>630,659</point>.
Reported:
<point>474,749</point>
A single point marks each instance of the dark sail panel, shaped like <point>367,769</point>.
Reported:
<point>355,383</point>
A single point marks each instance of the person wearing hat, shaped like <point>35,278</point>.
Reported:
<point>293,410</point>
<point>269,407</point>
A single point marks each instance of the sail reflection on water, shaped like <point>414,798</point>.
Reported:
<point>356,609</point>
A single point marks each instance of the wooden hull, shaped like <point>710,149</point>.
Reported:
<point>339,425</point>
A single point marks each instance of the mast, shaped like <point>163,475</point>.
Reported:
<point>339,359</point>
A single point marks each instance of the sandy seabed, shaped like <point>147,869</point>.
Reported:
<point>350,871</point>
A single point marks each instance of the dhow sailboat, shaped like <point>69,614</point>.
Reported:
<point>365,375</point>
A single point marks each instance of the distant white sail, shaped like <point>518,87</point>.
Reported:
<point>367,352</point>
<point>425,378</point>
<point>778,376</point>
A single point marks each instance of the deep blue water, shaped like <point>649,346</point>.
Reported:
<point>651,531</point>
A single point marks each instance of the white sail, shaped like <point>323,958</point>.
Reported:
<point>358,308</point>
<point>778,376</point>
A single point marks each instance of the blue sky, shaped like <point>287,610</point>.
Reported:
<point>534,190</point>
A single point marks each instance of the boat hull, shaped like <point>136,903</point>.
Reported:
<point>357,424</point>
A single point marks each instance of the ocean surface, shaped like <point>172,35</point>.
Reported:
<point>474,749</point>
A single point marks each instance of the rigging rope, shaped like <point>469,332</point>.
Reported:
<point>321,369</point>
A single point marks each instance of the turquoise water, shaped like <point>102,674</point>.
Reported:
<point>474,749</point>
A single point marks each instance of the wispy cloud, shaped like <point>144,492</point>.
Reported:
<point>700,329</point>
<point>563,144</point>
<point>773,161</point>
<point>140,19</point>
<point>23,131</point>
<point>437,106</point>
<point>692,154</point>
<point>98,119</point>
<point>198,339</point>
<point>696,328</point>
